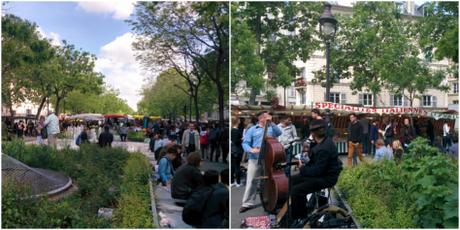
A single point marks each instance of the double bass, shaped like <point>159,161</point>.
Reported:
<point>274,184</point>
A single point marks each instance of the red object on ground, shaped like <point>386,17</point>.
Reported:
<point>260,222</point>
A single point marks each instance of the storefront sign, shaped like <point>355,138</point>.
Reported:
<point>438,116</point>
<point>356,109</point>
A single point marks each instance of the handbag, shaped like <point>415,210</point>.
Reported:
<point>44,132</point>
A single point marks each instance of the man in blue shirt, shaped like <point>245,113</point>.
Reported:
<point>252,142</point>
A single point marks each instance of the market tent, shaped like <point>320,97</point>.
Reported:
<point>87,117</point>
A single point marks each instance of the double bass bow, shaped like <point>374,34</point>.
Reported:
<point>274,186</point>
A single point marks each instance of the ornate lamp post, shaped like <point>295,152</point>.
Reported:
<point>327,29</point>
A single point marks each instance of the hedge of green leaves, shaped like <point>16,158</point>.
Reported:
<point>421,192</point>
<point>96,171</point>
<point>136,136</point>
<point>134,205</point>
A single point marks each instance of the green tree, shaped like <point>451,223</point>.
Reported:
<point>246,64</point>
<point>284,31</point>
<point>74,72</point>
<point>162,96</point>
<point>194,43</point>
<point>283,78</point>
<point>438,30</point>
<point>17,37</point>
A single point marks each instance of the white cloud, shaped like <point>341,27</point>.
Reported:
<point>54,37</point>
<point>119,9</point>
<point>117,62</point>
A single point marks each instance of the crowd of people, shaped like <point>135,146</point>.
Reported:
<point>319,165</point>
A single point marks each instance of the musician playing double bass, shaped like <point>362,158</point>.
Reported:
<point>251,144</point>
<point>322,171</point>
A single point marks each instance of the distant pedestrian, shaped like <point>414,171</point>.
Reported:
<point>213,139</point>
<point>398,151</point>
<point>204,133</point>
<point>374,135</point>
<point>408,133</point>
<point>106,138</point>
<point>453,150</point>
<point>355,133</point>
<point>446,136</point>
<point>41,131</point>
<point>236,153</point>
<point>382,152</point>
<point>124,132</point>
<point>191,139</point>
<point>52,127</point>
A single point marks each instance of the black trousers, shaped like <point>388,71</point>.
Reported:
<point>224,148</point>
<point>301,187</point>
<point>214,147</point>
<point>236,169</point>
<point>190,148</point>
<point>204,148</point>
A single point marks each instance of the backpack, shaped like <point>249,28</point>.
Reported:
<point>195,206</point>
<point>78,141</point>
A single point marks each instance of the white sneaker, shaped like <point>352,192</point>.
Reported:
<point>238,185</point>
<point>234,184</point>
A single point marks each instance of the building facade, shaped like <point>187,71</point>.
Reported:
<point>304,91</point>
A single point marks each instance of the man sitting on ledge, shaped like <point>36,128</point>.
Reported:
<point>187,178</point>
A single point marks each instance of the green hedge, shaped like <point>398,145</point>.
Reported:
<point>97,173</point>
<point>136,136</point>
<point>134,207</point>
<point>421,192</point>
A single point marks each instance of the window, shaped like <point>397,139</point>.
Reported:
<point>455,87</point>
<point>366,99</point>
<point>302,98</point>
<point>28,111</point>
<point>292,91</point>
<point>428,101</point>
<point>456,102</point>
<point>335,97</point>
<point>398,100</point>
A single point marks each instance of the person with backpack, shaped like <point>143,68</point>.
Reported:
<point>204,141</point>
<point>205,208</point>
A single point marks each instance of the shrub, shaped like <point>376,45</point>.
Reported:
<point>95,171</point>
<point>136,136</point>
<point>134,205</point>
<point>420,192</point>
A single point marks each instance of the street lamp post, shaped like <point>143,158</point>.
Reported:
<point>327,29</point>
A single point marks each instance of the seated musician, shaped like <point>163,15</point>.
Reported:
<point>321,171</point>
<point>252,143</point>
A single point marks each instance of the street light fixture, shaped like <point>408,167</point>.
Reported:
<point>327,29</point>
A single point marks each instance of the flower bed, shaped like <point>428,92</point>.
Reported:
<point>421,192</point>
<point>99,175</point>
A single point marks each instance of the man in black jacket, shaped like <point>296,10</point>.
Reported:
<point>187,178</point>
<point>355,137</point>
<point>106,138</point>
<point>322,171</point>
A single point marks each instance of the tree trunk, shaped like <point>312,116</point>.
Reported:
<point>58,104</point>
<point>195,102</point>
<point>285,99</point>
<point>221,102</point>
<point>254,92</point>
<point>42,103</point>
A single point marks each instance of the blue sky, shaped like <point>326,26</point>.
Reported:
<point>96,27</point>
<point>87,30</point>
